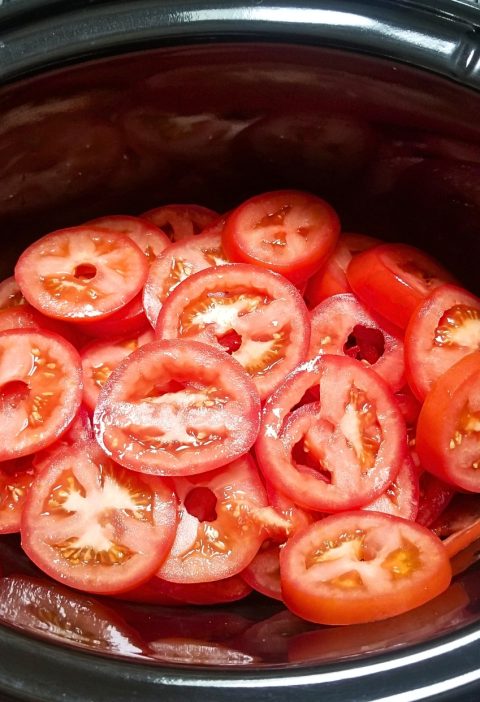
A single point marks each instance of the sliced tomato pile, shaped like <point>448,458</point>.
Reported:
<point>180,425</point>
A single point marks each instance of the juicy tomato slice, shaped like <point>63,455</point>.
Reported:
<point>177,408</point>
<point>331,279</point>
<point>293,517</point>
<point>392,279</point>
<point>459,523</point>
<point>40,390</point>
<point>401,498</point>
<point>44,608</point>
<point>16,477</point>
<point>82,273</point>
<point>10,294</point>
<point>409,405</point>
<point>442,330</point>
<point>263,573</point>
<point>337,454</point>
<point>79,431</point>
<point>217,535</point>
<point>181,221</point>
<point>255,315</point>
<point>342,326</point>
<point>287,231</point>
<point>130,319</point>
<point>435,496</point>
<point>95,526</point>
<point>176,263</point>
<point>25,316</point>
<point>360,567</point>
<point>448,429</point>
<point>100,358</point>
<point>162,592</point>
<point>149,238</point>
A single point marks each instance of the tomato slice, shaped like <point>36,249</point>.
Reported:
<point>44,608</point>
<point>287,231</point>
<point>360,567</point>
<point>392,279</point>
<point>254,314</point>
<point>331,279</point>
<point>95,526</point>
<point>82,273</point>
<point>342,326</point>
<point>216,535</point>
<point>448,429</point>
<point>101,357</point>
<point>337,454</point>
<point>181,221</point>
<point>25,316</point>
<point>10,294</point>
<point>177,408</point>
<point>443,329</point>
<point>16,477</point>
<point>435,496</point>
<point>176,263</point>
<point>149,238</point>
<point>130,319</point>
<point>79,431</point>
<point>459,524</point>
<point>401,498</point>
<point>263,573</point>
<point>40,390</point>
<point>162,592</point>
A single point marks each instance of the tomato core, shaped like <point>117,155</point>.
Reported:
<point>85,271</point>
<point>14,392</point>
<point>201,502</point>
<point>365,344</point>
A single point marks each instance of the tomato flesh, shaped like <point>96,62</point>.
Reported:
<point>149,238</point>
<point>181,221</point>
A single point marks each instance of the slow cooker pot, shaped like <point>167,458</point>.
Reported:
<point>121,106</point>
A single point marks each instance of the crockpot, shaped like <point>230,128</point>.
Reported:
<point>121,106</point>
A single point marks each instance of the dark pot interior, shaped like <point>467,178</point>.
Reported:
<point>396,150</point>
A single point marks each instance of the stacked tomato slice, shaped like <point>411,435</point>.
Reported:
<point>178,424</point>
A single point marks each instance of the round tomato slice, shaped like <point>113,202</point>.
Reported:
<point>287,231</point>
<point>130,319</point>
<point>448,429</point>
<point>263,573</point>
<point>149,238</point>
<point>342,326</point>
<point>337,454</point>
<point>177,408</point>
<point>216,536</point>
<point>442,330</point>
<point>95,526</point>
<point>435,496</point>
<point>392,279</point>
<point>402,496</point>
<point>27,317</point>
<point>254,314</point>
<point>16,477</point>
<point>79,431</point>
<point>82,273</point>
<point>176,263</point>
<point>40,390</point>
<point>181,221</point>
<point>99,360</point>
<point>360,567</point>
<point>10,294</point>
<point>331,279</point>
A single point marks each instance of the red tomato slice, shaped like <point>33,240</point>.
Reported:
<point>294,516</point>
<point>79,431</point>
<point>360,567</point>
<point>448,429</point>
<point>435,496</point>
<point>44,608</point>
<point>332,278</point>
<point>161,592</point>
<point>459,523</point>
<point>176,263</point>
<point>392,279</point>
<point>263,573</point>
<point>82,273</point>
<point>181,221</point>
<point>25,316</point>
<point>99,360</point>
<point>149,238</point>
<point>442,330</point>
<point>16,477</point>
<point>95,526</point>
<point>177,408</point>
<point>256,315</point>
<point>40,390</point>
<point>342,326</point>
<point>10,294</point>
<point>409,405</point>
<point>337,454</point>
<point>402,496</point>
<point>287,231</point>
<point>216,535</point>
<point>130,319</point>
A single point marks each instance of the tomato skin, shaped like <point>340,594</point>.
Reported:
<point>263,573</point>
<point>281,429</point>
<point>312,584</point>
<point>311,219</point>
<point>392,279</point>
<point>181,221</point>
<point>443,329</point>
<point>82,525</point>
<point>254,321</point>
<point>125,412</point>
<point>445,443</point>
